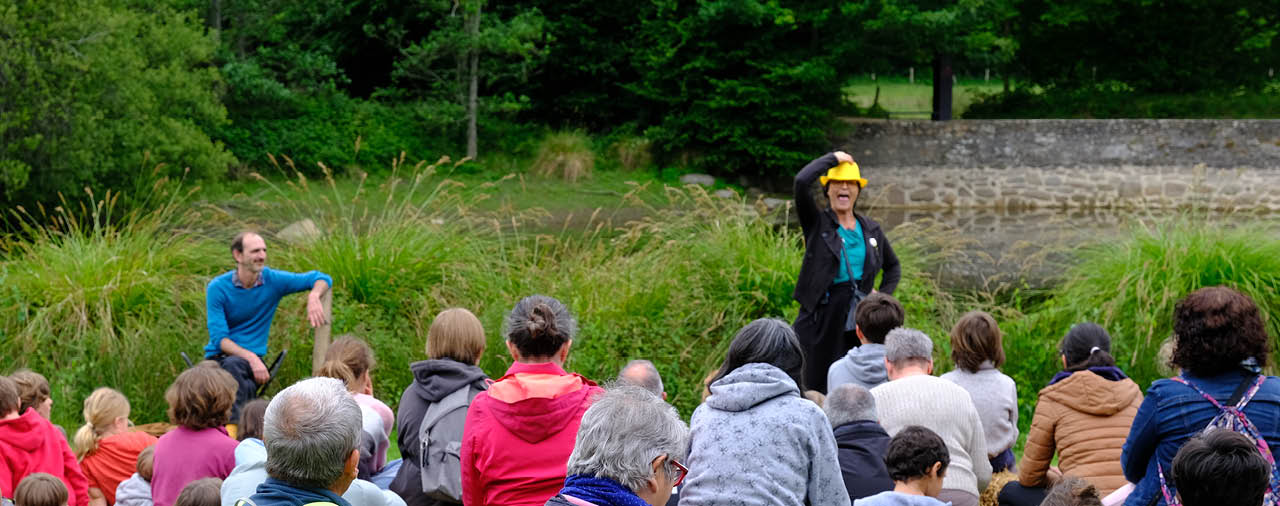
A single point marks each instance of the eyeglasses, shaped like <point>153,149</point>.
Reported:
<point>684,471</point>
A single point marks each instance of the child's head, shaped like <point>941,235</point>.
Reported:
<point>976,339</point>
<point>1086,345</point>
<point>1220,467</point>
<point>202,492</point>
<point>877,314</point>
<point>201,397</point>
<point>33,388</point>
<point>918,455</point>
<point>251,419</point>
<point>40,489</point>
<point>9,399</point>
<point>1072,491</point>
<point>456,334</point>
<point>146,459</point>
<point>357,356</point>
<point>104,409</point>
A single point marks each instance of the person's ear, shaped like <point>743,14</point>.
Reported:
<point>664,395</point>
<point>1064,360</point>
<point>930,369</point>
<point>658,467</point>
<point>857,329</point>
<point>563,352</point>
<point>515,352</point>
<point>935,470</point>
<point>888,369</point>
<point>351,466</point>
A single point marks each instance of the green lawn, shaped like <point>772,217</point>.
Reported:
<point>915,100</point>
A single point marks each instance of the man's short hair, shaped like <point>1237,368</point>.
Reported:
<point>237,243</point>
<point>849,403</point>
<point>310,430</point>
<point>877,314</point>
<point>9,400</point>
<point>1220,467</point>
<point>201,397</point>
<point>643,374</point>
<point>913,451</point>
<point>904,346</point>
<point>622,432</point>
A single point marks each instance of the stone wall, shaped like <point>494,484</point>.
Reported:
<point>1014,164</point>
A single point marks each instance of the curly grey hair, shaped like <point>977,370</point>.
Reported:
<point>621,434</point>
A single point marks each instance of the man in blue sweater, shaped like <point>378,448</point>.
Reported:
<point>240,305</point>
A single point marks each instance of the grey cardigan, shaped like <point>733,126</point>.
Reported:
<point>756,441</point>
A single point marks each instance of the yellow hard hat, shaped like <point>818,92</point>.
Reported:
<point>846,171</point>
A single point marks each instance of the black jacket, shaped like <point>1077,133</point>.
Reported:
<point>862,445</point>
<point>432,381</point>
<point>821,261</point>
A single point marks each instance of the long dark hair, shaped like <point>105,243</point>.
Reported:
<point>768,341</point>
<point>1087,345</point>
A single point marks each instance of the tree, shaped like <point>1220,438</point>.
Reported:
<point>942,30</point>
<point>89,87</point>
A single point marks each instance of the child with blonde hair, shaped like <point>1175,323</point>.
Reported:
<point>106,445</point>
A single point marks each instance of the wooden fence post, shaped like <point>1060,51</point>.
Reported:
<point>323,332</point>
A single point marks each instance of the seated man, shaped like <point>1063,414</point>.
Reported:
<point>627,450</point>
<point>917,460</point>
<point>861,441</point>
<point>875,315</point>
<point>644,374</point>
<point>29,444</point>
<point>913,396</point>
<point>1220,467</point>
<point>240,306</point>
<point>310,430</point>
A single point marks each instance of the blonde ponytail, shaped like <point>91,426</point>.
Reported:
<point>101,409</point>
<point>333,368</point>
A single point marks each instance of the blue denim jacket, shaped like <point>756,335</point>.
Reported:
<point>1172,413</point>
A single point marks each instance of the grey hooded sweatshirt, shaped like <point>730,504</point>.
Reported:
<point>432,381</point>
<point>863,365</point>
<point>756,441</point>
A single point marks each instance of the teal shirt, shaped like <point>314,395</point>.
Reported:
<point>855,252</point>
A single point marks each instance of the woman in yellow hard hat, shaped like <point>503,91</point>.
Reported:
<point>844,251</point>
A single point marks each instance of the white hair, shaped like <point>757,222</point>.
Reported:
<point>310,430</point>
<point>621,434</point>
<point>642,373</point>
<point>903,344</point>
<point>849,403</point>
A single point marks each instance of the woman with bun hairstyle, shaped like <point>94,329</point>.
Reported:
<point>107,446</point>
<point>519,433</point>
<point>844,252</point>
<point>1084,415</point>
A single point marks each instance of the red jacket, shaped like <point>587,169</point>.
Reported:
<point>519,434</point>
<point>30,444</point>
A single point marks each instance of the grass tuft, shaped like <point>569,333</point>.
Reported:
<point>567,155</point>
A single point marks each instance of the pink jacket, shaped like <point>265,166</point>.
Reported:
<point>519,434</point>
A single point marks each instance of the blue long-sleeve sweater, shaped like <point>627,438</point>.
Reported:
<point>244,314</point>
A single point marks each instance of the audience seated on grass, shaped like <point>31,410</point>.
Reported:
<point>107,445</point>
<point>202,492</point>
<point>34,390</point>
<point>357,357</point>
<point>1083,415</point>
<point>1072,491</point>
<point>136,491</point>
<point>519,433</point>
<point>755,440</point>
<point>914,397</point>
<point>1220,344</point>
<point>627,452</point>
<point>918,462</point>
<point>200,401</point>
<point>454,344</point>
<point>876,315</point>
<point>1218,468</point>
<point>978,352</point>
<point>861,441</point>
<point>29,444</point>
<point>40,489</point>
<point>311,430</point>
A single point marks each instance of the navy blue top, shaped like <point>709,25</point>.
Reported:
<point>1172,413</point>
<point>244,314</point>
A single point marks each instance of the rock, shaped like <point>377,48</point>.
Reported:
<point>726,194</point>
<point>300,232</point>
<point>702,179</point>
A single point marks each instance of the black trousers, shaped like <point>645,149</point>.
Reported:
<point>246,386</point>
<point>1015,494</point>
<point>822,335</point>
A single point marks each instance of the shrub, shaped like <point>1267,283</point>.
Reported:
<point>567,155</point>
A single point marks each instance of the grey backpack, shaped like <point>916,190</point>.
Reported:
<point>440,445</point>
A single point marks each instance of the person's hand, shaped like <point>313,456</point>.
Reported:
<point>1054,475</point>
<point>260,373</point>
<point>843,157</point>
<point>315,311</point>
